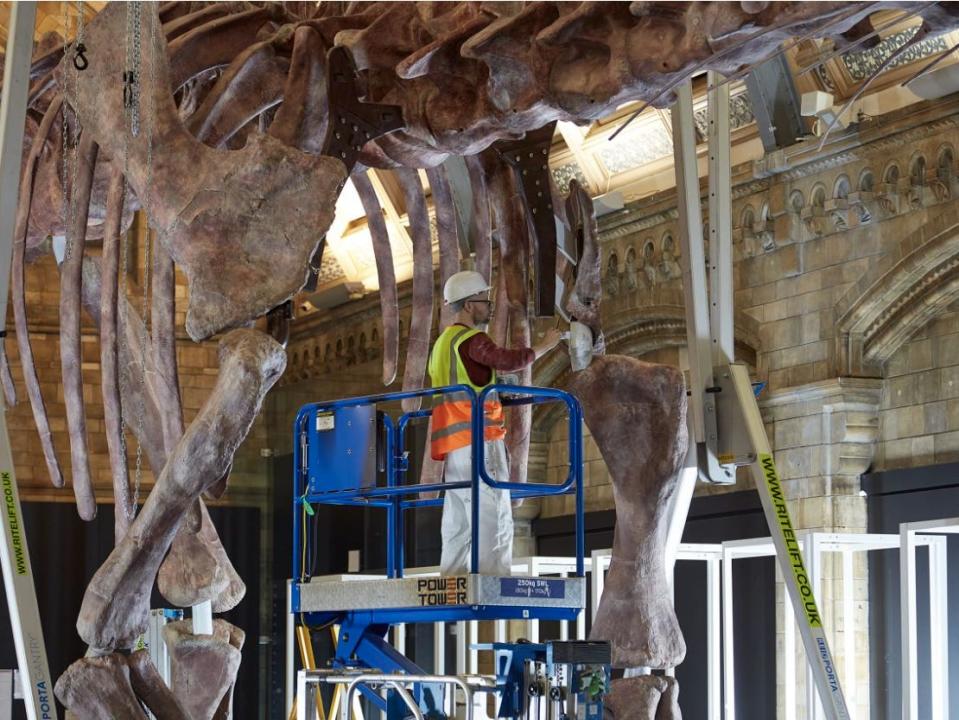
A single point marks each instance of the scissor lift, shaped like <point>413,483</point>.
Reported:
<point>350,452</point>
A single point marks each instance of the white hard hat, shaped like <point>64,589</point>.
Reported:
<point>463,285</point>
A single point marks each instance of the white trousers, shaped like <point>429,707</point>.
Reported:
<point>495,515</point>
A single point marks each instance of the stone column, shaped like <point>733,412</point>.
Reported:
<point>824,437</point>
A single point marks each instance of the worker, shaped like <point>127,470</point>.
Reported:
<point>465,355</point>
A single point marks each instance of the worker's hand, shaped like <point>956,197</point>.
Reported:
<point>550,340</point>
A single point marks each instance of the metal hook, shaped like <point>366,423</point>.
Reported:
<point>80,61</point>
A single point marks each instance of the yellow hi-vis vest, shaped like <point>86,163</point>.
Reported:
<point>452,427</point>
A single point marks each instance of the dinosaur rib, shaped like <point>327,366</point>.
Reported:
<point>71,352</point>
<point>447,231</point>
<point>109,349</point>
<point>251,84</point>
<point>418,343</point>
<point>18,283</point>
<point>383,254</point>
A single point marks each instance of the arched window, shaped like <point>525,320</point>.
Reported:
<point>841,189</point>
<point>917,171</point>
<point>945,164</point>
<point>819,196</point>
<point>796,201</point>
<point>891,174</point>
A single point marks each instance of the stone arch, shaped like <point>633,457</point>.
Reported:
<point>917,170</point>
<point>796,201</point>
<point>841,188</point>
<point>612,261</point>
<point>890,173</point>
<point>866,183</point>
<point>818,196</point>
<point>900,293</point>
<point>747,218</point>
<point>945,162</point>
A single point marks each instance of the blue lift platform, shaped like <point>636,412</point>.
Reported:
<point>351,452</point>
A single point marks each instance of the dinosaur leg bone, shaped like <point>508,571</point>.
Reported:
<point>636,412</point>
<point>116,604</point>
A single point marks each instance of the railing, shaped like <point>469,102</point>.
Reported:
<point>395,495</point>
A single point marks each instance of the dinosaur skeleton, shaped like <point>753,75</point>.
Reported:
<point>249,120</point>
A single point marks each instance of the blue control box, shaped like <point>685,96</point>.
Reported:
<point>341,449</point>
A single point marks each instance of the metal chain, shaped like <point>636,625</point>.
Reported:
<point>147,245</point>
<point>131,76</point>
<point>132,99</point>
<point>65,132</point>
<point>73,205</point>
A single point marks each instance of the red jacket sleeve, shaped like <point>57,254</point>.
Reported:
<point>482,350</point>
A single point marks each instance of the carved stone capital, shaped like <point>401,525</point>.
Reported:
<point>826,429</point>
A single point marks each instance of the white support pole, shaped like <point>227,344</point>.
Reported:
<point>702,405</point>
<point>713,640</point>
<point>461,647</point>
<point>473,652</point>
<point>849,625</point>
<point>564,624</point>
<point>6,694</point>
<point>720,222</point>
<point>908,608</point>
<point>439,648</point>
<point>789,652</point>
<point>500,631</point>
<point>399,638</point>
<point>300,696</point>
<point>290,644</point>
<point>596,583</point>
<point>938,622</point>
<point>813,565</point>
<point>729,666</point>
<point>14,554</point>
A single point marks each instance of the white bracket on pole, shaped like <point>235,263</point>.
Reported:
<point>702,403</point>
<point>14,555</point>
<point>720,223</point>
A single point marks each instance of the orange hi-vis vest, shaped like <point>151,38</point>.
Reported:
<point>452,420</point>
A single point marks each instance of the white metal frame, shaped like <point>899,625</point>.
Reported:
<point>719,560</point>
<point>9,691</point>
<point>14,554</point>
<point>847,545</point>
<point>911,536</point>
